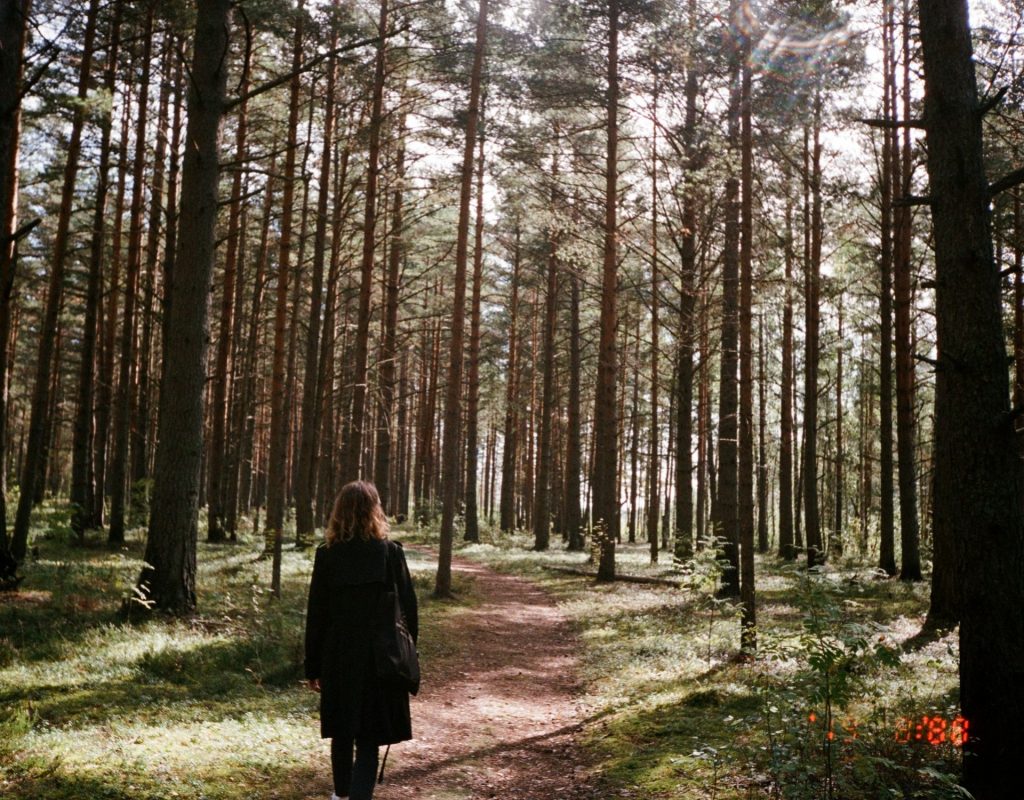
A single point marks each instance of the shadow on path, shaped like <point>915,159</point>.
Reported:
<point>499,715</point>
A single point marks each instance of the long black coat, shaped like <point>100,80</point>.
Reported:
<point>344,600</point>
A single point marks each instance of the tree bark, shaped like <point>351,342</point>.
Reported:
<point>836,544</point>
<point>812,520</point>
<point>453,396</point>
<point>83,478</point>
<point>14,16</point>
<point>653,465</point>
<point>126,379</point>
<point>105,392</point>
<point>604,477</point>
<point>543,489</point>
<point>472,530</point>
<point>352,449</point>
<point>978,476</point>
<point>906,433</point>
<point>169,577</point>
<point>762,444</point>
<point>746,421</point>
<point>386,428</point>
<point>277,467</point>
<point>725,512</point>
<point>887,533</point>
<point>574,448</point>
<point>36,448</point>
<point>510,447</point>
<point>141,437</point>
<point>216,530</point>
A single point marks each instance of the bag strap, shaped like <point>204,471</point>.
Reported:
<point>380,778</point>
<point>389,565</point>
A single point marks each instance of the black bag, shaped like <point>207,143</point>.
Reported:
<point>394,651</point>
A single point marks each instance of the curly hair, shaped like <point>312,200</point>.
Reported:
<point>357,513</point>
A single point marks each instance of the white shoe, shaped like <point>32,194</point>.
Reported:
<point>335,797</point>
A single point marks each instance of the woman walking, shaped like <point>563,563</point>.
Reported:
<point>352,570</point>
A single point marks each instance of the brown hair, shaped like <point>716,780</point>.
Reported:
<point>357,513</point>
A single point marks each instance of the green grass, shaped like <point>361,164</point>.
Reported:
<point>92,706</point>
<point>676,714</point>
<point>213,707</point>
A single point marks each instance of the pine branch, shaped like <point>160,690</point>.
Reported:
<point>1009,181</point>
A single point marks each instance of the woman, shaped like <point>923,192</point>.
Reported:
<point>352,568</point>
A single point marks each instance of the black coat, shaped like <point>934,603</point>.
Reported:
<point>344,600</point>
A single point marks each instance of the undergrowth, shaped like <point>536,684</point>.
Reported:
<point>95,707</point>
<point>829,708</point>
<point>92,706</point>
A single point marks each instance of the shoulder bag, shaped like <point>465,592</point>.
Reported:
<point>394,651</point>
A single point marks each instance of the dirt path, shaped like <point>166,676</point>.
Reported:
<point>500,717</point>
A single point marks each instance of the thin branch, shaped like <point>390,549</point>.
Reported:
<point>23,231</point>
<point>306,67</point>
<point>1015,178</point>
<point>993,101</point>
<point>913,200</point>
<point>892,123</point>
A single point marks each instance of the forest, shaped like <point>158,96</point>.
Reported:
<point>682,339</point>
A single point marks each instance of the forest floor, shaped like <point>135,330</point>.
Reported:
<point>538,683</point>
<point>500,712</point>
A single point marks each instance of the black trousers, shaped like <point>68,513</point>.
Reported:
<point>354,778</point>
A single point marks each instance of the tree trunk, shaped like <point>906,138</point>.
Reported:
<point>240,456</point>
<point>36,448</point>
<point>836,544</point>
<point>978,478</point>
<point>544,488</point>
<point>812,520</point>
<point>386,428</point>
<point>746,421</point>
<point>169,577</point>
<point>13,26</point>
<point>704,436</point>
<point>298,284</point>
<point>352,449</point>
<point>906,433</point>
<point>574,448</point>
<point>140,432</point>
<point>83,478</point>
<point>653,465</point>
<point>763,505</point>
<point>216,531</point>
<point>105,392</point>
<point>634,428</point>
<point>472,530</point>
<point>453,396</point>
<point>887,543</point>
<point>787,548</point>
<point>508,462</point>
<point>277,465</point>
<point>126,380</point>
<point>725,512</point>
<point>604,477</point>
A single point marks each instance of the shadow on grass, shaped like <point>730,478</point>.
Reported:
<point>665,749</point>
<point>57,783</point>
<point>49,779</point>
<point>221,674</point>
<point>928,634</point>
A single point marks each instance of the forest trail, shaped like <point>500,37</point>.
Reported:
<point>499,715</point>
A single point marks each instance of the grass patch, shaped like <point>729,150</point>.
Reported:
<point>93,707</point>
<point>677,715</point>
